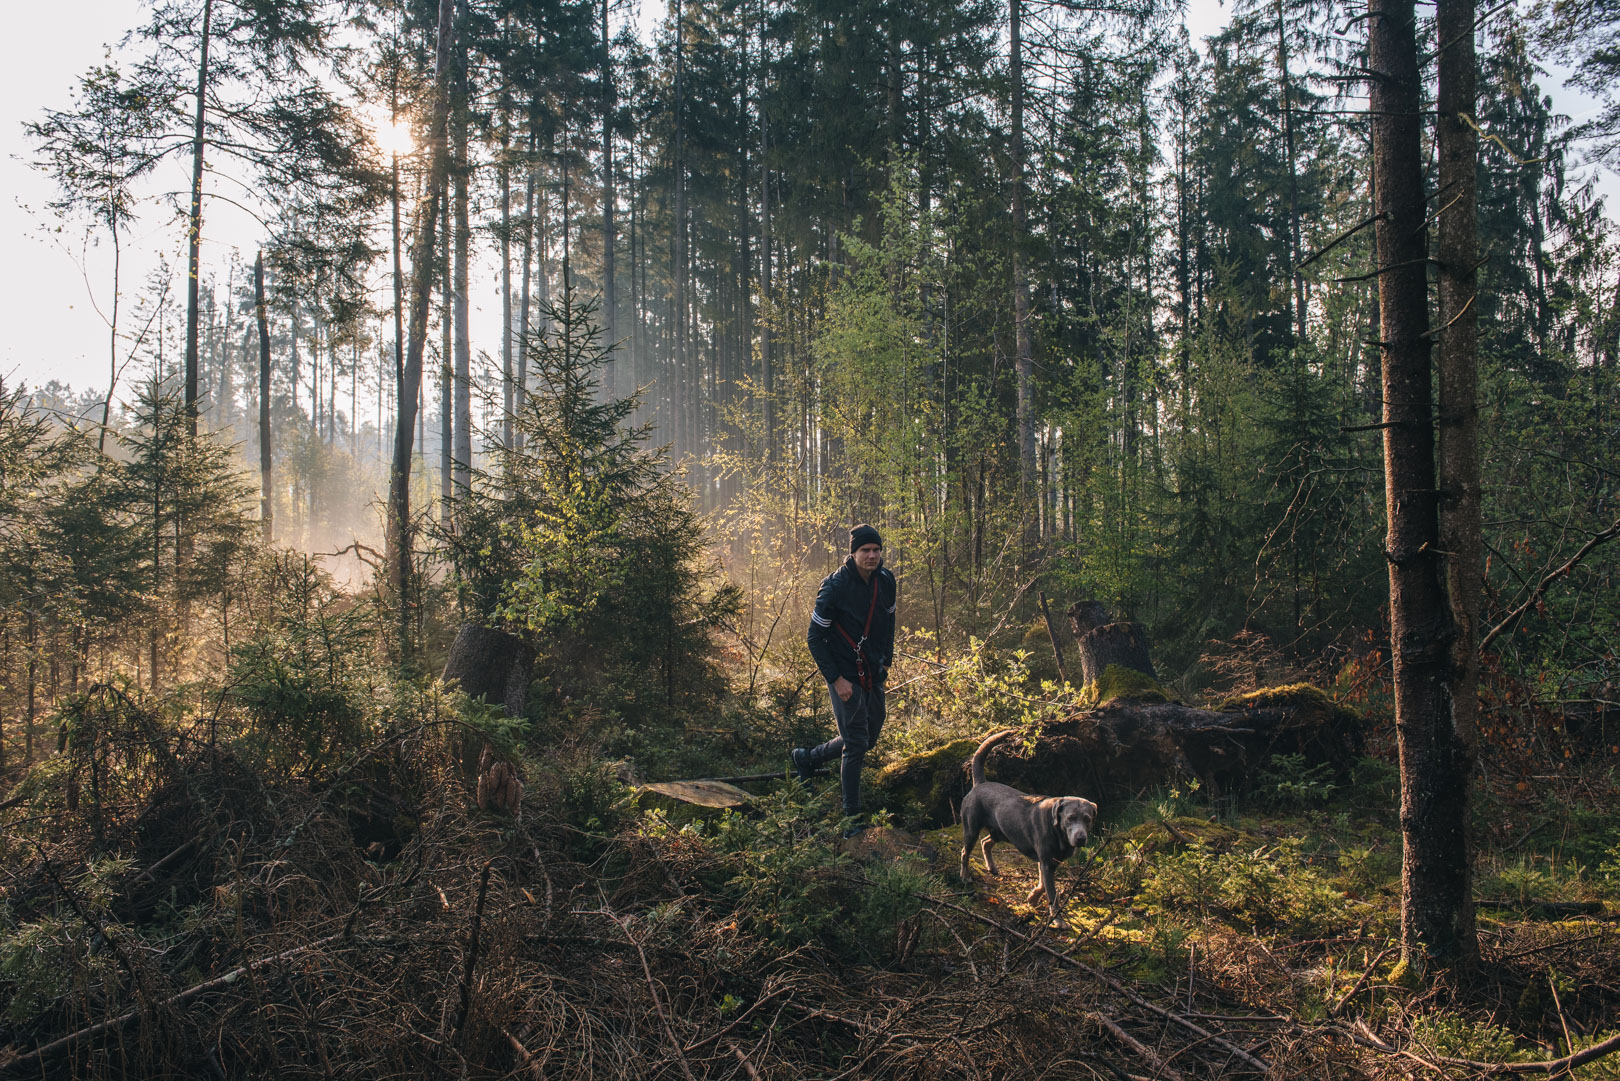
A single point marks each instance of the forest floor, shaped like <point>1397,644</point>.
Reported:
<point>214,922</point>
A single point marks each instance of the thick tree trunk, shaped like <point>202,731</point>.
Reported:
<point>1296,279</point>
<point>1436,905</point>
<point>767,374</point>
<point>494,666</point>
<point>399,496</point>
<point>447,373</point>
<point>266,494</point>
<point>1124,644</point>
<point>521,389</point>
<point>463,345</point>
<point>681,389</point>
<point>1020,274</point>
<point>610,296</point>
<point>1457,451</point>
<point>506,269</point>
<point>1101,642</point>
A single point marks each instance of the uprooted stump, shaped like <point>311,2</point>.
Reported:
<point>1134,742</point>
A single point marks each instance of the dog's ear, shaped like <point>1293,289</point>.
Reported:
<point>1054,807</point>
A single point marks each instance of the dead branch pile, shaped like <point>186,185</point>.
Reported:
<point>212,923</point>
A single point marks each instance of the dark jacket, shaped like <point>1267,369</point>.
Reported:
<point>844,601</point>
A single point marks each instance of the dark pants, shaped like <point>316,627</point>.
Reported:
<point>859,721</point>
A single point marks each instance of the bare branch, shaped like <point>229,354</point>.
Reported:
<point>1513,617</point>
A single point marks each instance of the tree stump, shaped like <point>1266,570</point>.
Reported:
<point>1101,643</point>
<point>1085,616</point>
<point>495,666</point>
<point>492,665</point>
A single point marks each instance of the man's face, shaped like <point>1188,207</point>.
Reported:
<point>867,557</point>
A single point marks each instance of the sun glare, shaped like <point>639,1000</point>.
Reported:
<point>392,137</point>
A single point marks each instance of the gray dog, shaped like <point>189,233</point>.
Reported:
<point>1047,829</point>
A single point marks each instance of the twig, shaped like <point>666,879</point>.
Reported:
<point>1437,331</point>
<point>1499,141</point>
<point>1365,1038</point>
<point>1360,983</point>
<point>1051,632</point>
<point>1384,270</point>
<point>522,1052</point>
<point>1336,241</point>
<point>472,951</point>
<point>746,1065</point>
<point>1553,945</point>
<point>966,952</point>
<point>652,986</point>
<point>149,873</point>
<point>1551,577</point>
<point>189,993</point>
<point>1563,1022</point>
<point>1119,988</point>
<point>1147,1054</point>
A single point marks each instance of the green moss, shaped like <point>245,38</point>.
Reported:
<point>1157,835</point>
<point>1311,704</point>
<point>924,786</point>
<point>1119,682</point>
<point>1405,974</point>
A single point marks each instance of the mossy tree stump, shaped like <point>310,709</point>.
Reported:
<point>1101,643</point>
<point>495,666</point>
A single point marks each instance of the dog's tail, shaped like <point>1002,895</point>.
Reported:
<point>984,750</point>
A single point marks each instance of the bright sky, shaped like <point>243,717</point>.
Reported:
<point>51,282</point>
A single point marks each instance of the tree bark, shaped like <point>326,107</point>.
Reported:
<point>447,372</point>
<point>1020,274</point>
<point>1296,279</point>
<point>1436,906</point>
<point>463,346</point>
<point>610,296</point>
<point>682,389</point>
<point>506,268</point>
<point>1457,450</point>
<point>1124,644</point>
<point>399,496</point>
<point>767,375</point>
<point>266,496</point>
<point>491,664</point>
<point>521,389</point>
<point>194,221</point>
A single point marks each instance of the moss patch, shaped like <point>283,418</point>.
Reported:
<point>923,787</point>
<point>1159,835</point>
<point>1313,705</point>
<point>1118,682</point>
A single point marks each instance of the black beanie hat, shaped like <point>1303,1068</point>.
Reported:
<point>863,535</point>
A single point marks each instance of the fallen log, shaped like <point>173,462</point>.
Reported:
<point>1136,736</point>
<point>1135,742</point>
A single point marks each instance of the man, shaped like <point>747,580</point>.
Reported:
<point>851,638</point>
